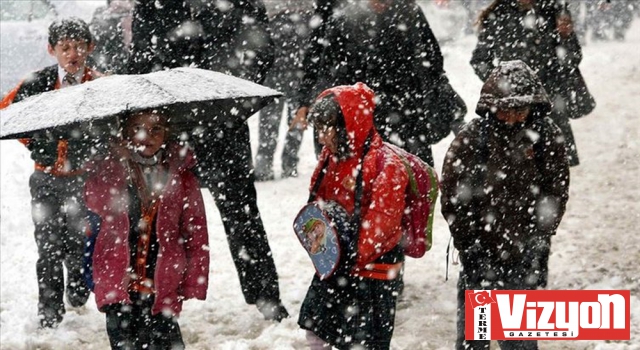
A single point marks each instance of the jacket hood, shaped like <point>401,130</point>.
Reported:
<point>357,106</point>
<point>512,85</point>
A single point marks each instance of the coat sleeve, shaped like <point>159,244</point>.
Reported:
<point>8,98</point>
<point>482,56</point>
<point>553,165</point>
<point>265,51</point>
<point>380,225</point>
<point>313,60</point>
<point>194,230</point>
<point>144,24</point>
<point>460,188</point>
<point>432,60</point>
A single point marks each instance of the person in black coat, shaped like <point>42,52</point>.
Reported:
<point>501,227</point>
<point>526,30</point>
<point>388,45</point>
<point>111,27</point>
<point>231,37</point>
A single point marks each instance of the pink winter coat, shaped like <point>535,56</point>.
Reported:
<point>182,266</point>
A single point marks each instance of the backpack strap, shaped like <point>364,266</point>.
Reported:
<point>359,183</point>
<point>355,218</point>
<point>316,185</point>
<point>446,269</point>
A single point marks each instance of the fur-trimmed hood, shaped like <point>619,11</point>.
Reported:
<point>512,85</point>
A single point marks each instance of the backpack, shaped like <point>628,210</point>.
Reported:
<point>420,202</point>
<point>420,199</point>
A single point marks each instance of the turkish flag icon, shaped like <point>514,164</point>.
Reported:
<point>480,298</point>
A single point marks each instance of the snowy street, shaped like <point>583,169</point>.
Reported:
<point>597,246</point>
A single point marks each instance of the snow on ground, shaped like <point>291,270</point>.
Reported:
<point>597,245</point>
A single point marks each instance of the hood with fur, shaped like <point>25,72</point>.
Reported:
<point>512,85</point>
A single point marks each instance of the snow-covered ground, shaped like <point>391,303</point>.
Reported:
<point>597,245</point>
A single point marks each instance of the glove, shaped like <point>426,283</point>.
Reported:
<point>78,153</point>
<point>536,260</point>
<point>44,152</point>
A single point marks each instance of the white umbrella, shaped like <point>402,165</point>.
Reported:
<point>194,98</point>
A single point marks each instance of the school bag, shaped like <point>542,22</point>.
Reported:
<point>420,202</point>
<point>325,231</point>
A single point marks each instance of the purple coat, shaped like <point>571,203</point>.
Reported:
<point>182,266</point>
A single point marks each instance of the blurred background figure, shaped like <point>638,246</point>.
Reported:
<point>610,19</point>
<point>111,28</point>
<point>574,98</point>
<point>473,9</point>
<point>289,24</point>
<point>447,18</point>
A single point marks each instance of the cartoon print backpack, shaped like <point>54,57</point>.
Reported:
<point>324,231</point>
<point>420,202</point>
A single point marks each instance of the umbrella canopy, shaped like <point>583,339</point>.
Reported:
<point>194,99</point>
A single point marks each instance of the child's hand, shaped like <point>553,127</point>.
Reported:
<point>300,120</point>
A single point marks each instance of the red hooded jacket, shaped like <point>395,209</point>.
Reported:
<point>182,266</point>
<point>384,177</point>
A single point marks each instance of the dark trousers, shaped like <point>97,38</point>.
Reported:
<point>133,327</point>
<point>351,312</point>
<point>268,139</point>
<point>484,273</point>
<point>58,214</point>
<point>225,168</point>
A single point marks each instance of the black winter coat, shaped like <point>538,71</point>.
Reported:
<point>508,33</point>
<point>234,40</point>
<point>397,55</point>
<point>503,186</point>
<point>290,31</point>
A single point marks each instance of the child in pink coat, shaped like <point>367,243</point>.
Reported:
<point>151,251</point>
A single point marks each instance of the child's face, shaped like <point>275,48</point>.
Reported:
<point>513,116</point>
<point>71,54</point>
<point>327,137</point>
<point>146,133</point>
